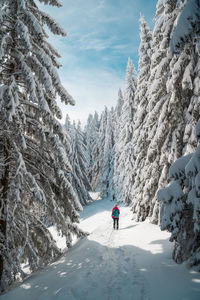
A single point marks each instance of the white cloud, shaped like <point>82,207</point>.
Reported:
<point>92,90</point>
<point>96,44</point>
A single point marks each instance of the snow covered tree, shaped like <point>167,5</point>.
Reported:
<point>82,154</point>
<point>123,178</point>
<point>144,71</point>
<point>108,159</point>
<point>187,49</point>
<point>180,206</point>
<point>140,136</point>
<point>117,126</point>
<point>78,159</point>
<point>91,132</point>
<point>188,25</point>
<point>168,138</point>
<point>167,104</point>
<point>180,201</point>
<point>99,152</point>
<point>89,141</point>
<point>33,160</point>
<point>101,140</point>
<point>118,109</point>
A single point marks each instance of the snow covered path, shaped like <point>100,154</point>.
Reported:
<point>133,263</point>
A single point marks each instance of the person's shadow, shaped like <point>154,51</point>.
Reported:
<point>131,226</point>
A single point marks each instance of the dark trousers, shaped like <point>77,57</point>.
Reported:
<point>116,221</point>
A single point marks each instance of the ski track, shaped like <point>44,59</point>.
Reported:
<point>111,265</point>
<point>120,269</point>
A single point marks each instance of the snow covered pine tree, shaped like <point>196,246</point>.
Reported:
<point>188,24</point>
<point>168,102</point>
<point>140,136</point>
<point>108,158</point>
<point>98,152</point>
<point>91,132</point>
<point>180,201</point>
<point>124,159</point>
<point>78,160</point>
<point>181,205</point>
<point>33,162</point>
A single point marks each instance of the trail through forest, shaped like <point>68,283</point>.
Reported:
<point>132,263</point>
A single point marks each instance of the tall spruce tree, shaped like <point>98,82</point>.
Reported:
<point>91,132</point>
<point>108,159</point>
<point>180,201</point>
<point>170,119</point>
<point>78,159</point>
<point>159,121</point>
<point>118,109</point>
<point>180,205</point>
<point>99,152</point>
<point>117,124</point>
<point>185,44</point>
<point>123,178</point>
<point>180,138</point>
<point>33,160</point>
<point>140,136</point>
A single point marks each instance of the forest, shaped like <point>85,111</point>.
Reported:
<point>144,153</point>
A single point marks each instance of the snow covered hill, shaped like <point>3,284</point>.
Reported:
<point>132,263</point>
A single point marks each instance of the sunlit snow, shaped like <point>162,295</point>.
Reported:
<point>131,263</point>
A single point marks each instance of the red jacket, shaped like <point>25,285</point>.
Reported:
<point>113,211</point>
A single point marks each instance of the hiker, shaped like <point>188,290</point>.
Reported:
<point>115,216</point>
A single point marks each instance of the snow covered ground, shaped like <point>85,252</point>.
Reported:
<point>133,263</point>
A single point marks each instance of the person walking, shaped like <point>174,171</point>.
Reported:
<point>115,216</point>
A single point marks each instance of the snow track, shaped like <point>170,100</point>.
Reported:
<point>132,263</point>
<point>117,275</point>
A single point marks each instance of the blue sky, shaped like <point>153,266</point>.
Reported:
<point>101,35</point>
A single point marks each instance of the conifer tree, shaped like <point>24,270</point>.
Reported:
<point>99,152</point>
<point>159,121</point>
<point>184,44</point>
<point>180,201</point>
<point>108,158</point>
<point>33,160</point>
<point>78,159</point>
<point>117,124</point>
<point>180,138</point>
<point>180,205</point>
<point>188,24</point>
<point>124,147</point>
<point>140,136</point>
<point>118,109</point>
<point>170,120</point>
<point>91,132</point>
